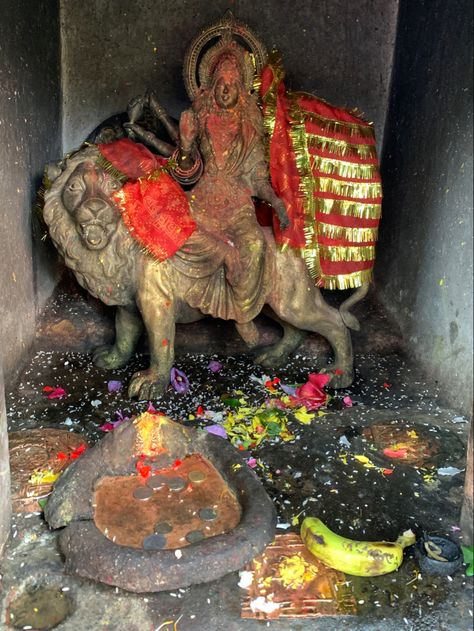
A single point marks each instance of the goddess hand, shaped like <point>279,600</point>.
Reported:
<point>188,129</point>
<point>135,107</point>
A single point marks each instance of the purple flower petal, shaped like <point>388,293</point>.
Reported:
<point>110,426</point>
<point>114,386</point>
<point>214,366</point>
<point>288,389</point>
<point>179,381</point>
<point>252,463</point>
<point>217,430</point>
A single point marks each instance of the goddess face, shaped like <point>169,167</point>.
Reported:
<point>227,85</point>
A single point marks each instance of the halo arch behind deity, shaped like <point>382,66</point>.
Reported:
<point>198,61</point>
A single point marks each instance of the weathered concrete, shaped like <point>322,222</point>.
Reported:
<point>424,268</point>
<point>114,50</point>
<point>29,122</point>
<point>5,506</point>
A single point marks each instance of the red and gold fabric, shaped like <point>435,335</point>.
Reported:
<point>323,165</point>
<point>154,207</point>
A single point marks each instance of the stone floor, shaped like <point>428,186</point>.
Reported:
<point>316,474</point>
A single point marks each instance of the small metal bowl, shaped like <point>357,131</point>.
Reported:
<point>449,550</point>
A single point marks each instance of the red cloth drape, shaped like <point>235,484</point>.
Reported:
<point>154,207</point>
<point>323,165</point>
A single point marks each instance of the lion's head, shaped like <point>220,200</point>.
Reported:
<point>86,226</point>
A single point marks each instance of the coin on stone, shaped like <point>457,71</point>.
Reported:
<point>176,484</point>
<point>156,482</point>
<point>142,493</point>
<point>194,536</point>
<point>163,528</point>
<point>207,514</point>
<point>197,476</point>
<point>154,542</point>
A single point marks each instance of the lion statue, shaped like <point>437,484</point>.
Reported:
<point>87,228</point>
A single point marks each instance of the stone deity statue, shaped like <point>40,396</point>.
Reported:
<point>208,254</point>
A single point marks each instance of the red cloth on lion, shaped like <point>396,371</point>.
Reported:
<point>154,207</point>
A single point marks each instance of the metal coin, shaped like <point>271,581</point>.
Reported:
<point>163,528</point>
<point>196,476</point>
<point>194,536</point>
<point>176,484</point>
<point>142,493</point>
<point>207,514</point>
<point>156,482</point>
<point>154,542</point>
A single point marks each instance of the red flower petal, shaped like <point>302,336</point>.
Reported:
<point>395,453</point>
<point>319,380</point>
<point>61,456</point>
<point>78,452</point>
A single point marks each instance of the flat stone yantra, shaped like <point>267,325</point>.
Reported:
<point>186,502</point>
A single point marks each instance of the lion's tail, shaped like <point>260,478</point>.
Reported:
<point>348,318</point>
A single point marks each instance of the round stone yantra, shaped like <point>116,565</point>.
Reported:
<point>154,542</point>
<point>163,528</point>
<point>142,493</point>
<point>197,476</point>
<point>176,484</point>
<point>207,514</point>
<point>194,536</point>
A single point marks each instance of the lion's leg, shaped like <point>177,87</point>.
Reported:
<point>341,368</point>
<point>128,328</point>
<point>159,318</point>
<point>307,310</point>
<point>276,355</point>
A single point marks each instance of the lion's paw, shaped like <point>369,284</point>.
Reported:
<point>146,385</point>
<point>271,358</point>
<point>340,378</point>
<point>109,357</point>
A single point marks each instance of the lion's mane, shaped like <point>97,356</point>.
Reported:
<point>108,274</point>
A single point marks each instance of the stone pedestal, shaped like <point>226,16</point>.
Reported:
<point>467,512</point>
<point>5,504</point>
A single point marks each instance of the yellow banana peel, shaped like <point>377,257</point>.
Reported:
<point>358,558</point>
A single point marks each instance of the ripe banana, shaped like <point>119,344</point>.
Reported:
<point>358,558</point>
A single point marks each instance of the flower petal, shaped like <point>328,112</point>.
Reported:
<point>214,366</point>
<point>319,379</point>
<point>217,430</point>
<point>179,381</point>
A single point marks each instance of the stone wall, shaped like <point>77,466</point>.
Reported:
<point>113,50</point>
<point>424,269</point>
<point>30,132</point>
<point>30,136</point>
